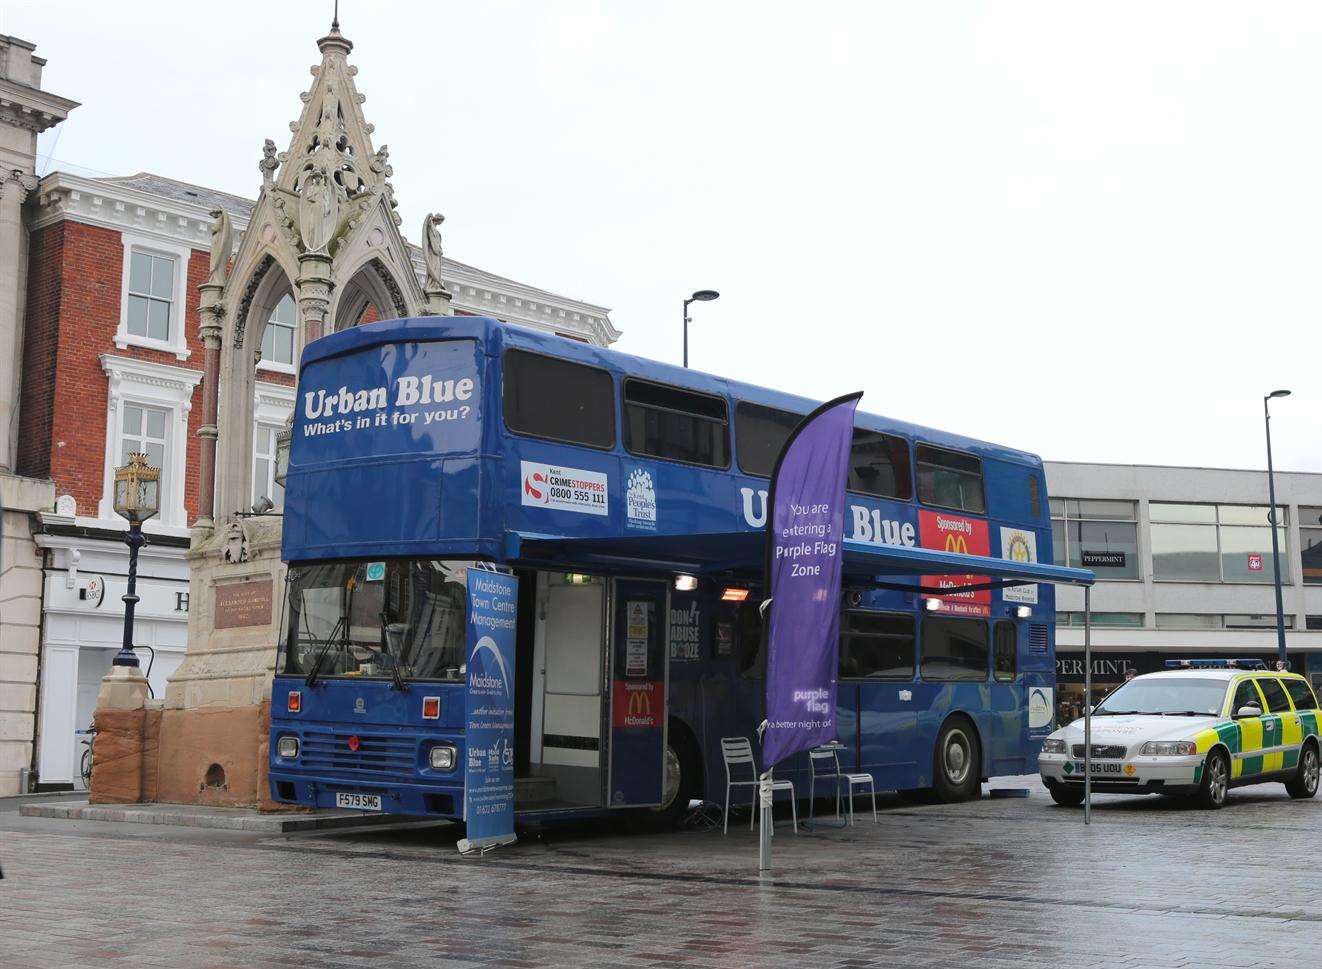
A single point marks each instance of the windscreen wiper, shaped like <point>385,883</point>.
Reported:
<point>325,647</point>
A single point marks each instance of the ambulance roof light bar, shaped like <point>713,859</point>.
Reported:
<point>1215,664</point>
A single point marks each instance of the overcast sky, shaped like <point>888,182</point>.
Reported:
<point>1090,231</point>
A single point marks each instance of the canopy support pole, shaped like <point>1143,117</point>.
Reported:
<point>766,821</point>
<point>1087,704</point>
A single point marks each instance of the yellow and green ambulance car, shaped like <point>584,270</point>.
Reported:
<point>1195,731</point>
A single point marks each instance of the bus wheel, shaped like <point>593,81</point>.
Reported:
<point>680,781</point>
<point>957,771</point>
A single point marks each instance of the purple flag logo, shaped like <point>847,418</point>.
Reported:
<point>805,549</point>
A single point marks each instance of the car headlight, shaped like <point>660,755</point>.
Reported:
<point>1053,746</point>
<point>287,748</point>
<point>1169,748</point>
<point>441,757</point>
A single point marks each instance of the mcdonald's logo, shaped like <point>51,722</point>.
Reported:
<point>640,704</point>
<point>957,543</point>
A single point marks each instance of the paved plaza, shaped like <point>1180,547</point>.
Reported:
<point>994,883</point>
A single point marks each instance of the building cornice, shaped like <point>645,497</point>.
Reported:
<point>107,204</point>
<point>32,108</point>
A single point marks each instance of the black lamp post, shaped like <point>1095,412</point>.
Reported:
<point>701,296</point>
<point>137,498</point>
<point>1271,518</point>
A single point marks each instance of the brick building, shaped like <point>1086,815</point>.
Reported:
<point>111,363</point>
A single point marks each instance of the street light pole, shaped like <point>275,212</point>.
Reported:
<point>1271,519</point>
<point>137,494</point>
<point>701,296</point>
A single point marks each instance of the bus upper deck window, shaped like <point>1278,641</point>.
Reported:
<point>670,422</point>
<point>879,465</point>
<point>950,479</point>
<point>760,432</point>
<point>558,399</point>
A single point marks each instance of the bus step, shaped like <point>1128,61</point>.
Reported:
<point>533,790</point>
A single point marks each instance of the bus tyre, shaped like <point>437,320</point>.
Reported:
<point>1304,784</point>
<point>1216,781</point>
<point>1065,796</point>
<point>681,782</point>
<point>957,771</point>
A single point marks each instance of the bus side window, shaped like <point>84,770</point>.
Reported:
<point>876,645</point>
<point>1006,656</point>
<point>954,649</point>
<point>950,479</point>
<point>1034,495</point>
<point>558,400</point>
<point>879,465</point>
<point>670,422</point>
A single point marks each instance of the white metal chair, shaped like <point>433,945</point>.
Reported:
<point>824,763</point>
<point>739,750</point>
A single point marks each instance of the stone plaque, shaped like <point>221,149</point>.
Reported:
<point>243,604</point>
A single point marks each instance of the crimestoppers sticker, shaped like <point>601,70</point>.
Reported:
<point>564,489</point>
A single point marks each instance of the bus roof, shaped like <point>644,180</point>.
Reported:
<point>494,333</point>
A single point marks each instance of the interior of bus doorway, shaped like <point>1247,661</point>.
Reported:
<point>586,647</point>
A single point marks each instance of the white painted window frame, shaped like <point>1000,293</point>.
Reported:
<point>290,368</point>
<point>164,387</point>
<point>178,342</point>
<point>272,405</point>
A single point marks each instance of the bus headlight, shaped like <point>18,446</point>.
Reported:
<point>441,757</point>
<point>287,748</point>
<point>1169,748</point>
<point>1053,746</point>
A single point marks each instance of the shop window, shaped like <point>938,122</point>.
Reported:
<point>1006,654</point>
<point>1313,622</point>
<point>1302,694</point>
<point>661,421</point>
<point>1274,695</point>
<point>1310,542</point>
<point>1188,620</point>
<point>1096,534</point>
<point>950,479</point>
<point>1128,620</point>
<point>954,649</point>
<point>558,399</point>
<point>876,645</point>
<point>1215,543</point>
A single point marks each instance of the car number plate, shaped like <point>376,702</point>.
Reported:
<point>359,802</point>
<point>1099,768</point>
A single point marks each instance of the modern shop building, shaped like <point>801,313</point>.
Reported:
<point>1184,565</point>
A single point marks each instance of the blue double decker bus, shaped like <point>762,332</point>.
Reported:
<point>629,498</point>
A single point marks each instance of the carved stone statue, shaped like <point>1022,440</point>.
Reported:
<point>318,211</point>
<point>431,251</point>
<point>269,162</point>
<point>222,242</point>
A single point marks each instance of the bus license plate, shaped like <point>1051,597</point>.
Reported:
<point>359,802</point>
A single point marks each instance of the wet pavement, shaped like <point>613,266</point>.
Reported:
<point>1017,882</point>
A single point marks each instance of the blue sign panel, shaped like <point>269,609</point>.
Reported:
<point>493,603</point>
<point>638,694</point>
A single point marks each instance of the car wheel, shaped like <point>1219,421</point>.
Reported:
<point>1304,784</point>
<point>1065,796</point>
<point>957,768</point>
<point>1216,781</point>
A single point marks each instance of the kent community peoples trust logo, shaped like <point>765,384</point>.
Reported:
<point>640,499</point>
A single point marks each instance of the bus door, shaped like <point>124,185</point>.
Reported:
<point>639,673</point>
<point>567,701</point>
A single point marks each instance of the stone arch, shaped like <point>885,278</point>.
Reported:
<point>372,283</point>
<point>255,300</point>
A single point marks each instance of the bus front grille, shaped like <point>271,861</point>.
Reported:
<point>330,750</point>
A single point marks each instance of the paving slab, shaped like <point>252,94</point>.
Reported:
<point>194,816</point>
